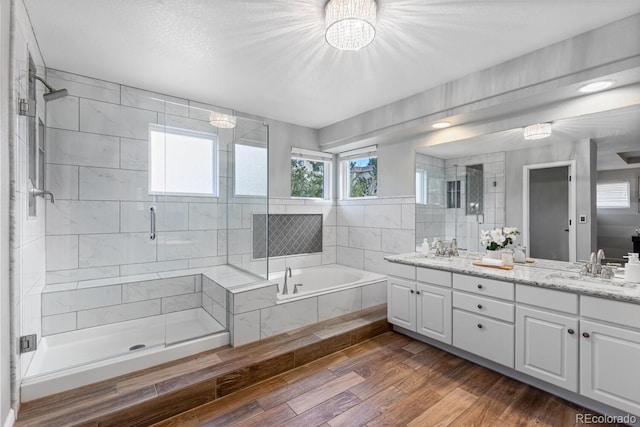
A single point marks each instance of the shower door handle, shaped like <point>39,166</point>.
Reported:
<point>152,217</point>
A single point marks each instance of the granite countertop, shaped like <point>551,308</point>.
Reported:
<point>562,276</point>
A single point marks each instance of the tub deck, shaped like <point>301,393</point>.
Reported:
<point>152,395</point>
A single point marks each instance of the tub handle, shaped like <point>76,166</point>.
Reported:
<point>295,287</point>
<point>152,217</point>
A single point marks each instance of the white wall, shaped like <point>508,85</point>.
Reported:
<point>616,226</point>
<point>5,87</point>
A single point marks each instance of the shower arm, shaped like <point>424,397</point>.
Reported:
<point>48,86</point>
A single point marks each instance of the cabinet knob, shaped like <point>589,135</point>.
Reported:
<point>571,331</point>
<point>479,286</point>
<point>417,292</point>
<point>411,291</point>
<point>585,334</point>
<point>479,306</point>
<point>480,326</point>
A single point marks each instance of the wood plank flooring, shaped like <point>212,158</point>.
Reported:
<point>389,380</point>
<point>155,394</point>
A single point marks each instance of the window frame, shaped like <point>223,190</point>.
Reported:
<point>610,182</point>
<point>215,159</point>
<point>345,175</point>
<point>314,156</point>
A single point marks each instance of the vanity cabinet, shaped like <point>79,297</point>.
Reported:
<point>401,303</point>
<point>547,341</point>
<point>421,307</point>
<point>483,314</point>
<point>610,353</point>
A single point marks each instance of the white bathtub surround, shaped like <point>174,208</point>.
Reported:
<point>370,229</point>
<point>327,291</point>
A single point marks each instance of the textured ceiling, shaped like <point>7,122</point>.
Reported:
<point>269,57</point>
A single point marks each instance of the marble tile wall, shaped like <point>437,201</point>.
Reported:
<point>240,232</point>
<point>466,228</point>
<point>262,317</point>
<point>27,241</point>
<point>104,301</point>
<point>367,230</point>
<point>97,167</point>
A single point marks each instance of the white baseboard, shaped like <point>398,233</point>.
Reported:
<point>11,418</point>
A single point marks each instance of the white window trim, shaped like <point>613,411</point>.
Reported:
<point>345,158</point>
<point>315,156</point>
<point>628,185</point>
<point>215,159</point>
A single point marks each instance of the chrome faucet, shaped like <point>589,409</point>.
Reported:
<point>595,268</point>
<point>285,290</point>
<point>42,193</point>
<point>295,287</point>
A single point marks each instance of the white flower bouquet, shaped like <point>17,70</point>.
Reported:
<point>498,238</point>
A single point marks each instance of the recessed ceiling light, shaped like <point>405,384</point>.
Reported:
<point>441,125</point>
<point>596,86</point>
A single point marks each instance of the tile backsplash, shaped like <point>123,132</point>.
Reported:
<point>289,234</point>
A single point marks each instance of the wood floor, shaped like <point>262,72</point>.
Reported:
<point>390,380</point>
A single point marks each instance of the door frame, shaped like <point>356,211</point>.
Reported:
<point>526,169</point>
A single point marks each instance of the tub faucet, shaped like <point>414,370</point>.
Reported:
<point>287,272</point>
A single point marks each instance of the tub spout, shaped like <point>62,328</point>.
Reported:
<point>287,272</point>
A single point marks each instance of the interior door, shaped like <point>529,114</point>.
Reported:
<point>549,213</point>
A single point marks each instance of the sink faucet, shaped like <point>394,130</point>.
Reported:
<point>594,267</point>
<point>285,290</point>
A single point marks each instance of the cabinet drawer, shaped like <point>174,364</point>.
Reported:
<point>547,298</point>
<point>401,270</point>
<point>482,286</point>
<point>623,313</point>
<point>488,307</point>
<point>491,339</point>
<point>434,277</point>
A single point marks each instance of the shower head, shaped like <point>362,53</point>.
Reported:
<point>55,94</point>
<point>52,94</point>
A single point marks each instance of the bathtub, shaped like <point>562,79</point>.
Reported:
<point>323,280</point>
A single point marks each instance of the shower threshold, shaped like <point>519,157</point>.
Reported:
<point>73,359</point>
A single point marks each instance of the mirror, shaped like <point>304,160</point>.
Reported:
<point>469,185</point>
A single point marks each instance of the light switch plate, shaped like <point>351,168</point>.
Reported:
<point>583,219</point>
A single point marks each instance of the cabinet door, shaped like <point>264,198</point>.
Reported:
<point>401,303</point>
<point>547,347</point>
<point>434,312</point>
<point>609,365</point>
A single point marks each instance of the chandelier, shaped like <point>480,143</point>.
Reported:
<point>537,131</point>
<point>350,23</point>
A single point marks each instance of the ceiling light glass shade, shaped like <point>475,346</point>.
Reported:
<point>596,86</point>
<point>350,23</point>
<point>221,120</point>
<point>537,131</point>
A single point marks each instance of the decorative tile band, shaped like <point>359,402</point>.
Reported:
<point>289,234</point>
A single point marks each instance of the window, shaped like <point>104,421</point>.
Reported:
<point>359,172</point>
<point>421,187</point>
<point>310,174</point>
<point>182,162</point>
<point>614,194</point>
<point>250,175</point>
